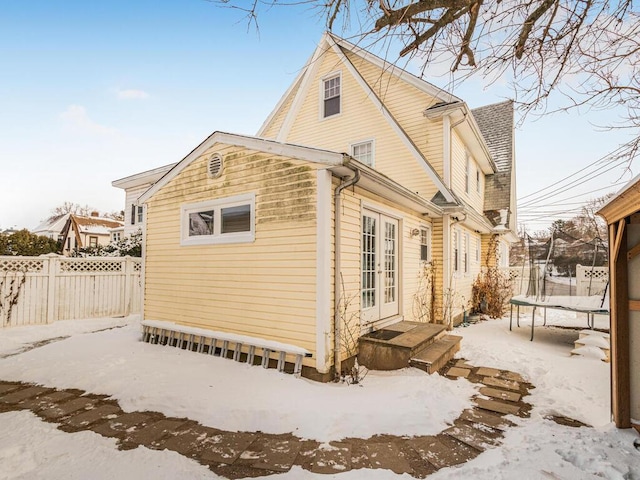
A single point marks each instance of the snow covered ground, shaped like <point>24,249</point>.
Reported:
<point>232,396</point>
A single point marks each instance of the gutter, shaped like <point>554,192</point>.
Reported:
<point>337,327</point>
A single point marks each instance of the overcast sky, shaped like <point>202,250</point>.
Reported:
<point>95,91</point>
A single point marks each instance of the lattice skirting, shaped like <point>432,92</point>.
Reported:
<point>224,348</point>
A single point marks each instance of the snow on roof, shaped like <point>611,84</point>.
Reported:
<point>96,225</point>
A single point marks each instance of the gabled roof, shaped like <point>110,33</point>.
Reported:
<point>94,225</point>
<point>302,84</point>
<point>300,152</point>
<point>464,121</point>
<point>624,203</point>
<point>340,164</point>
<point>148,177</point>
<point>496,124</point>
<point>54,225</point>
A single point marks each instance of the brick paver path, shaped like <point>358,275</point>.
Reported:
<point>253,454</point>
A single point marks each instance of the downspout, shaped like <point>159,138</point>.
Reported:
<point>337,265</point>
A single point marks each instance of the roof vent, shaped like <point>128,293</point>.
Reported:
<point>214,166</point>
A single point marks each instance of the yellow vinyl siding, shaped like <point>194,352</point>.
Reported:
<point>265,288</point>
<point>437,256</point>
<point>359,120</point>
<point>409,263</point>
<point>459,168</point>
<point>271,130</point>
<point>406,104</point>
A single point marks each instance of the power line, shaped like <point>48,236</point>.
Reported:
<point>608,155</point>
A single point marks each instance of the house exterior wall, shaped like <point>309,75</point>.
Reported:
<point>131,198</point>
<point>474,196</point>
<point>274,125</point>
<point>265,288</point>
<point>412,285</point>
<point>462,279</point>
<point>359,120</point>
<point>406,104</point>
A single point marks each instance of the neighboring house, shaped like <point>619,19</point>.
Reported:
<point>83,232</point>
<point>52,228</point>
<point>134,186</point>
<point>8,232</point>
<point>622,214</point>
<point>368,197</point>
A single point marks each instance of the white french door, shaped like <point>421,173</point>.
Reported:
<point>379,267</point>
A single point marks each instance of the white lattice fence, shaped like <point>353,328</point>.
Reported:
<point>522,280</point>
<point>591,280</point>
<point>37,290</point>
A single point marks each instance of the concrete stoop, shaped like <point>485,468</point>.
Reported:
<point>426,346</point>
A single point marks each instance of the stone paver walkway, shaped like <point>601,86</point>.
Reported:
<point>253,454</point>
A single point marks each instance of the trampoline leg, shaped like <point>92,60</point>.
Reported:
<point>518,313</point>
<point>511,317</point>
<point>545,317</point>
<point>533,321</point>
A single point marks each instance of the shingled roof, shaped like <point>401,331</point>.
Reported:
<point>496,125</point>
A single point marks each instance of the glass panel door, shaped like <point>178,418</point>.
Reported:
<point>379,297</point>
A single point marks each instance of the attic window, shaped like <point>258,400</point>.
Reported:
<point>363,152</point>
<point>331,96</point>
<point>214,165</point>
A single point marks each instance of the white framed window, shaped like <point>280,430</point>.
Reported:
<point>425,244</point>
<point>225,220</point>
<point>93,241</point>
<point>363,152</point>
<point>331,95</point>
<point>465,256</point>
<point>456,250</point>
<point>115,236</point>
<point>467,173</point>
<point>137,214</point>
<point>477,180</point>
<point>477,250</point>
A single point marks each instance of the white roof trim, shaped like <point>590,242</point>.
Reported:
<point>309,73</point>
<point>142,178</point>
<point>396,71</point>
<point>314,155</point>
<point>431,173</point>
<point>439,111</point>
<point>282,101</point>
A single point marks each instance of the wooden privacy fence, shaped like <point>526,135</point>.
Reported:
<point>39,290</point>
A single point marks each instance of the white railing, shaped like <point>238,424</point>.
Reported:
<point>39,290</point>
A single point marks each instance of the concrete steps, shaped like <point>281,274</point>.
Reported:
<point>593,343</point>
<point>423,345</point>
<point>435,356</point>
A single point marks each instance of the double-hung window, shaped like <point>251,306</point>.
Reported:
<point>456,250</point>
<point>225,220</point>
<point>466,252</point>
<point>331,96</point>
<point>425,241</point>
<point>363,152</point>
